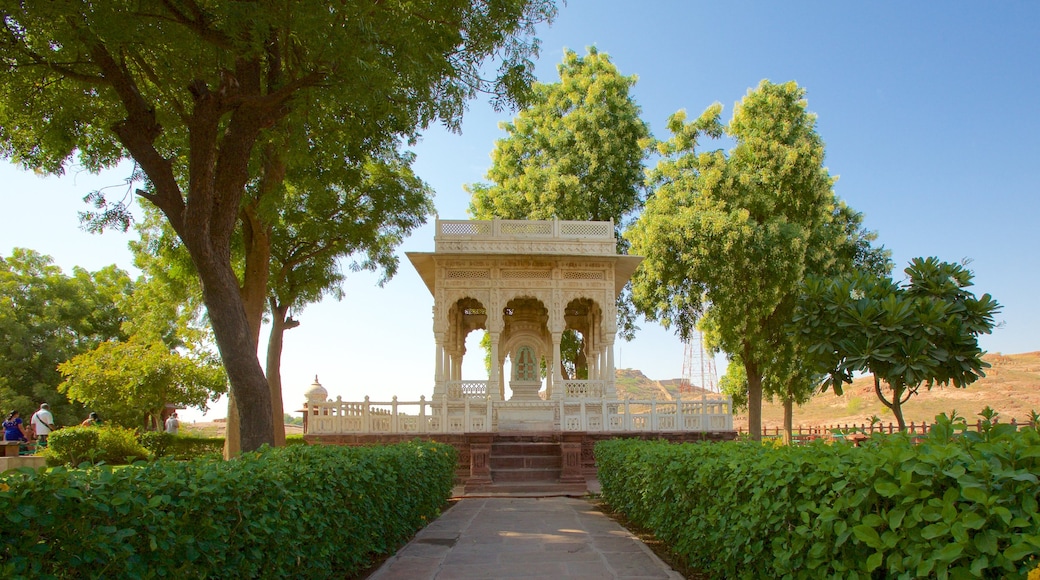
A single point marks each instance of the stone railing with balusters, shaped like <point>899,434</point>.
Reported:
<point>467,390</point>
<point>582,389</point>
<point>526,236</point>
<point>472,415</point>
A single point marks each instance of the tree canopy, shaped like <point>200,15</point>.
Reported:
<point>923,332</point>
<point>574,153</point>
<point>728,238</point>
<point>47,317</point>
<point>197,92</point>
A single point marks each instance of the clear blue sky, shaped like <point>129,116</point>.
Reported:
<point>928,112</point>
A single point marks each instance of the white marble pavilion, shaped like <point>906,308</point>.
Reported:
<point>525,283</point>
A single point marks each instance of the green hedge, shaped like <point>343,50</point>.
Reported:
<point>162,444</point>
<point>302,511</point>
<point>110,444</point>
<point>957,505</point>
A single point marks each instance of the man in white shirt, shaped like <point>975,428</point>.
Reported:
<point>172,424</point>
<point>43,423</point>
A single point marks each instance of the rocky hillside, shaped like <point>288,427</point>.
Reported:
<point>634,384</point>
<point>1011,387</point>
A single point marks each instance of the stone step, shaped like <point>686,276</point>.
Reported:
<point>525,461</point>
<point>528,489</point>
<point>512,475</point>
<point>513,448</point>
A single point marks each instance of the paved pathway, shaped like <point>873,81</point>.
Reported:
<point>553,537</point>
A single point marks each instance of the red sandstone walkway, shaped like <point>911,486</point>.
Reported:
<point>552,537</point>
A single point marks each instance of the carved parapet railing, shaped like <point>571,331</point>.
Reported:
<point>422,416</point>
<point>582,389</point>
<point>471,415</point>
<point>458,390</point>
<point>525,236</point>
<point>705,414</point>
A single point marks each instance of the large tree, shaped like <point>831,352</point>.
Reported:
<point>729,237</point>
<point>575,153</point>
<point>47,317</point>
<point>197,91</point>
<point>923,332</point>
<point>361,217</point>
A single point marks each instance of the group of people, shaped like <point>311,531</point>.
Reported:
<point>42,422</point>
<point>42,425</point>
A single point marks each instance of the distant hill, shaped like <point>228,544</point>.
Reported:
<point>1011,387</point>
<point>634,384</point>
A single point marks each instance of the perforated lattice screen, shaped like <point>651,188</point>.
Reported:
<point>465,228</point>
<point>582,275</point>
<point>586,229</point>
<point>526,274</point>
<point>525,228</point>
<point>469,274</point>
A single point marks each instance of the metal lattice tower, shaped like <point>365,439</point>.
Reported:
<point>698,364</point>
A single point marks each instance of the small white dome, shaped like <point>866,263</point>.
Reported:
<point>316,393</point>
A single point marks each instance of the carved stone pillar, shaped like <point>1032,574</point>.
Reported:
<point>495,388</point>
<point>610,376</point>
<point>570,449</point>
<point>439,382</point>
<point>479,459</point>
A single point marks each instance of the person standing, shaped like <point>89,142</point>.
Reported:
<point>13,430</point>
<point>43,423</point>
<point>172,423</point>
<point>92,420</point>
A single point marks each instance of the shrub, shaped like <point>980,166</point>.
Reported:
<point>72,446</point>
<point>159,443</point>
<point>294,440</point>
<point>119,446</point>
<point>312,511</point>
<point>957,505</point>
<point>181,447</point>
<point>111,444</point>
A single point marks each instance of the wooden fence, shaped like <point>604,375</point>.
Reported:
<point>809,432</point>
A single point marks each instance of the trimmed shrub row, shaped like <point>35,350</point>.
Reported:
<point>118,446</point>
<point>301,511</point>
<point>162,444</point>
<point>957,505</point>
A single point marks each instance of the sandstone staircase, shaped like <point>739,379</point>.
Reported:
<point>524,465</point>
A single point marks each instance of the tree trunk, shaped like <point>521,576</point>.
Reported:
<point>754,382</point>
<point>788,420</point>
<point>237,346</point>
<point>896,406</point>
<point>257,240</point>
<point>279,324</point>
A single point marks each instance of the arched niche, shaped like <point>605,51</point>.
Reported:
<point>582,336</point>
<point>525,336</point>
<point>464,316</point>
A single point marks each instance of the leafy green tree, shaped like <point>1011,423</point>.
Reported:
<point>198,91</point>
<point>131,382</point>
<point>47,317</point>
<point>729,237</point>
<point>923,332</point>
<point>363,217</point>
<point>575,153</point>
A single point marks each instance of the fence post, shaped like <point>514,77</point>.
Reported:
<point>422,413</point>
<point>393,415</point>
<point>365,417</point>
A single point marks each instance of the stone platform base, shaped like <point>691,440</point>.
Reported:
<point>474,466</point>
<point>525,420</point>
<point>7,463</point>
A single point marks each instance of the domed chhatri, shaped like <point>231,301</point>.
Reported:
<point>316,393</point>
<point>525,283</point>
